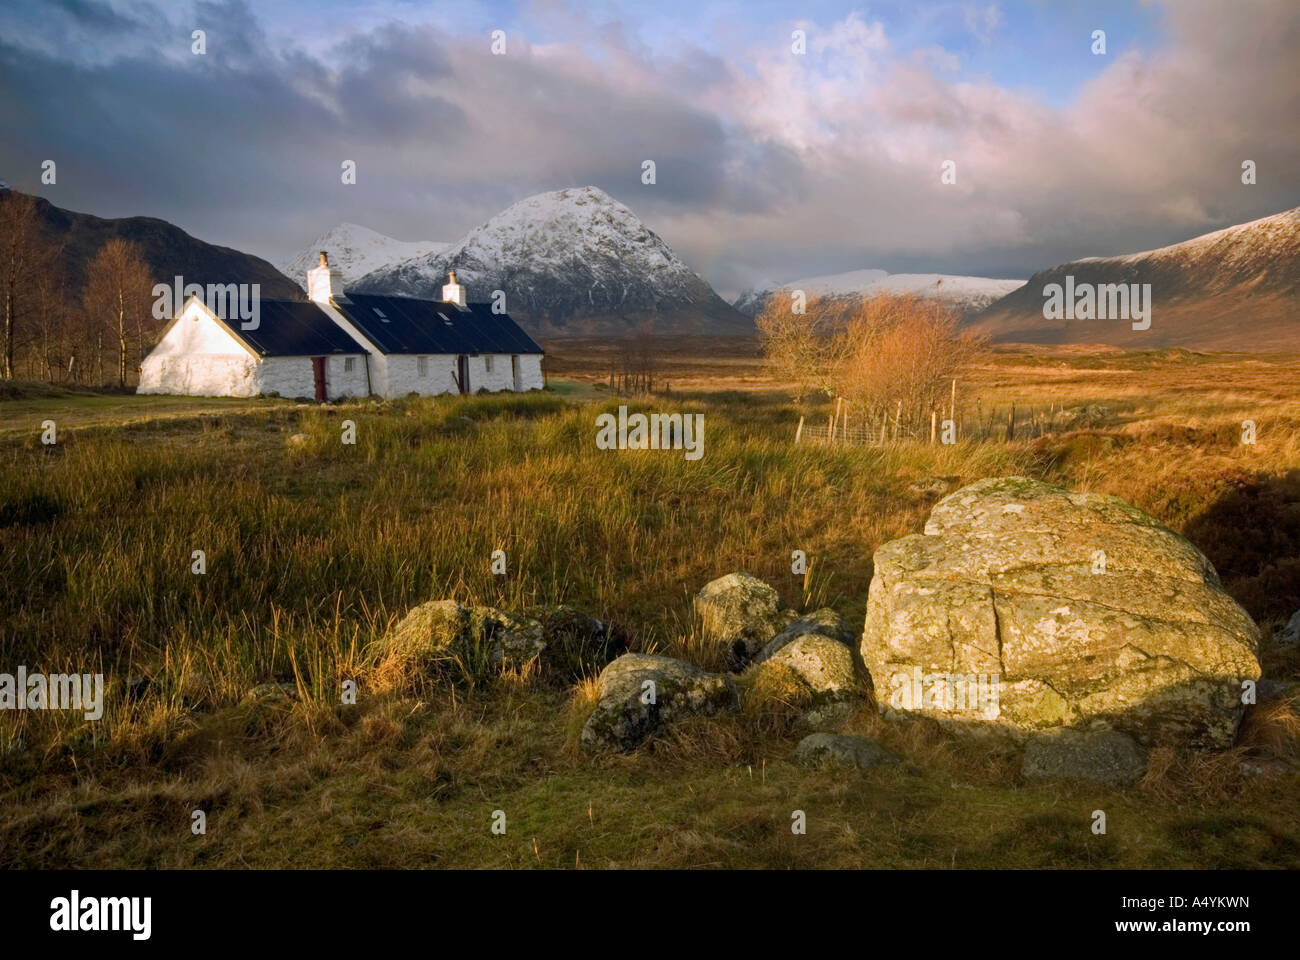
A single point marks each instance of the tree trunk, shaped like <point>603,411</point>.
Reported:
<point>9,335</point>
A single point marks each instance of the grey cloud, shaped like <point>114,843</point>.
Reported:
<point>243,146</point>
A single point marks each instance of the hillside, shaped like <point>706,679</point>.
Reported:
<point>166,248</point>
<point>1233,289</point>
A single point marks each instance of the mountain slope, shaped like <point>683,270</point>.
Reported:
<point>354,251</point>
<point>1233,289</point>
<point>166,248</point>
<point>571,263</point>
<point>966,294</point>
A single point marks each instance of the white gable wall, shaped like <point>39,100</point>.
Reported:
<point>199,357</point>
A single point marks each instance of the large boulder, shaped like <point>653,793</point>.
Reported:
<point>738,613</point>
<point>639,693</point>
<point>814,674</point>
<point>1024,606</point>
<point>444,633</point>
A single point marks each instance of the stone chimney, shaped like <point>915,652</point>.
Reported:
<point>453,292</point>
<point>324,283</point>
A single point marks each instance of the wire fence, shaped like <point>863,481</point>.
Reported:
<point>1002,423</point>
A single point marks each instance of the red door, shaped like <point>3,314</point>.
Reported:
<point>318,374</point>
<point>462,373</point>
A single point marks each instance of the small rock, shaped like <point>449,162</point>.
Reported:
<point>1266,688</point>
<point>1291,632</point>
<point>137,687</point>
<point>272,694</point>
<point>640,693</point>
<point>825,621</point>
<point>442,631</point>
<point>814,673</point>
<point>1105,756</point>
<point>576,644</point>
<point>834,748</point>
<point>739,613</point>
<point>931,487</point>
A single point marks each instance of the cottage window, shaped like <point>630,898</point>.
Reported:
<point>422,366</point>
<point>487,364</point>
<point>349,363</point>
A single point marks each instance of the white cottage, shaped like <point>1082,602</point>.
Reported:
<point>340,345</point>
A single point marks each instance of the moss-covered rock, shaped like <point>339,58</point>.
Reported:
<point>576,643</point>
<point>738,613</point>
<point>476,641</point>
<point>640,693</point>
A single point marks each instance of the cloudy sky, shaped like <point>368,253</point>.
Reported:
<point>770,164</point>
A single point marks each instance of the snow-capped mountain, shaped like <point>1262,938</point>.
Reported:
<point>966,294</point>
<point>1233,289</point>
<point>570,262</point>
<point>355,251</point>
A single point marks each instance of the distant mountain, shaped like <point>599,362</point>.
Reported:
<point>167,249</point>
<point>967,294</point>
<point>571,262</point>
<point>355,251</point>
<point>1234,289</point>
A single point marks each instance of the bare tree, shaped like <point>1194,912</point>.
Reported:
<point>118,290</point>
<point>899,357</point>
<point>637,364</point>
<point>802,347</point>
<point>23,253</point>
<point>50,327</point>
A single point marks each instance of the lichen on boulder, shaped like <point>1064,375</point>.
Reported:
<point>1079,608</point>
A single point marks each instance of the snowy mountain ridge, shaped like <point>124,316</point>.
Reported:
<point>966,294</point>
<point>570,262</point>
<point>354,251</point>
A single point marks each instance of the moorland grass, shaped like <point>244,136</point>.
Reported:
<point>314,548</point>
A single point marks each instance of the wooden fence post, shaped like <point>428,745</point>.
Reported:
<point>934,416</point>
<point>799,431</point>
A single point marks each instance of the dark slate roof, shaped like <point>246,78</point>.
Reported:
<point>294,328</point>
<point>403,325</point>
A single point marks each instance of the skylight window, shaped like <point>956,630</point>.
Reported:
<point>445,319</point>
<point>379,313</point>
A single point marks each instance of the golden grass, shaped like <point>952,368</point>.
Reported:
<point>313,552</point>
